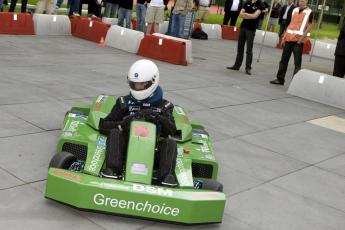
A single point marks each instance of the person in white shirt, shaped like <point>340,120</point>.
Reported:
<point>232,9</point>
<point>154,15</point>
<point>203,8</point>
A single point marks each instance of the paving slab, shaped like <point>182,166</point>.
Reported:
<point>8,180</point>
<point>269,207</point>
<point>25,208</point>
<point>28,156</point>
<point>46,115</point>
<point>12,125</point>
<point>254,161</point>
<point>270,114</point>
<point>303,141</point>
<point>335,165</point>
<point>316,184</point>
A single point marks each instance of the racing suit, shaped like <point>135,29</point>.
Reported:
<point>116,127</point>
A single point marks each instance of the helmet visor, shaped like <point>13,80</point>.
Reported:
<point>138,86</point>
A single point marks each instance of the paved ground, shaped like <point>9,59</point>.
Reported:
<point>279,171</point>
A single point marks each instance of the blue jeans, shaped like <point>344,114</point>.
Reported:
<point>59,3</point>
<point>1,4</point>
<point>125,14</point>
<point>141,13</point>
<point>177,25</point>
<point>110,10</point>
<point>74,8</point>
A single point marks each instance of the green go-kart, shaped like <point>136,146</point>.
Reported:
<point>74,172</point>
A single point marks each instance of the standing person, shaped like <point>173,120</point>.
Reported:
<point>74,8</point>
<point>154,15</point>
<point>1,5</point>
<point>203,8</point>
<point>141,13</point>
<point>111,8</point>
<point>262,15</point>
<point>232,9</point>
<point>47,6</point>
<point>295,35</point>
<point>181,9</point>
<point>339,62</point>
<point>250,14</point>
<point>274,17</point>
<point>125,12</point>
<point>285,16</point>
<point>14,3</point>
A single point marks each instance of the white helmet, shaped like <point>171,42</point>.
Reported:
<point>143,79</point>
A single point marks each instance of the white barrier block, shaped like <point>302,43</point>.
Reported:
<point>271,38</point>
<point>212,30</point>
<point>188,43</point>
<point>45,24</point>
<point>163,27</point>
<point>324,49</point>
<point>319,87</point>
<point>110,21</point>
<point>124,39</point>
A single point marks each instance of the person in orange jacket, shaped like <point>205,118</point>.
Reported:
<point>293,39</point>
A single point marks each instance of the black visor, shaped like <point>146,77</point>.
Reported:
<point>138,86</point>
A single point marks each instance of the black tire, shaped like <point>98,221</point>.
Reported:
<point>62,160</point>
<point>212,185</point>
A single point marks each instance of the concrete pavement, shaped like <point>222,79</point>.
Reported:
<point>279,171</point>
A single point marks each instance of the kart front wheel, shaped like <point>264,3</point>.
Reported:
<point>62,160</point>
<point>212,185</point>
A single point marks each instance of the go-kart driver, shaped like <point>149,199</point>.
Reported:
<point>145,101</point>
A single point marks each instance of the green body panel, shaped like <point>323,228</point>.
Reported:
<point>178,205</point>
<point>78,189</point>
<point>140,152</point>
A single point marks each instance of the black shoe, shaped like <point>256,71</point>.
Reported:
<point>169,181</point>
<point>248,71</point>
<point>233,67</point>
<point>109,173</point>
<point>277,82</point>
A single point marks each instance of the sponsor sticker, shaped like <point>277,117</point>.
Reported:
<point>139,168</point>
<point>141,131</point>
<point>201,135</point>
<point>66,175</point>
<point>75,115</point>
<point>101,98</point>
<point>179,110</point>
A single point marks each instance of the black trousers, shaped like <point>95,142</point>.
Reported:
<point>116,148</point>
<point>289,48</point>
<point>283,25</point>
<point>14,3</point>
<point>246,36</point>
<point>339,66</point>
<point>230,16</point>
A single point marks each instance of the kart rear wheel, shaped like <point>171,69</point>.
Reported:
<point>212,185</point>
<point>62,160</point>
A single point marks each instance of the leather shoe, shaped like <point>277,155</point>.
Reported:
<point>248,71</point>
<point>233,67</point>
<point>277,82</point>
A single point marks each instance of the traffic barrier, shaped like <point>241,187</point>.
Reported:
<point>306,46</point>
<point>324,49</point>
<point>90,30</point>
<point>110,21</point>
<point>163,49</point>
<point>124,39</point>
<point>230,32</point>
<point>319,87</point>
<point>271,39</point>
<point>214,31</point>
<point>75,19</point>
<point>45,24</point>
<point>189,57</point>
<point>16,23</point>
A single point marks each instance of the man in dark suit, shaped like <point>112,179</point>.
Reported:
<point>339,67</point>
<point>232,9</point>
<point>285,16</point>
